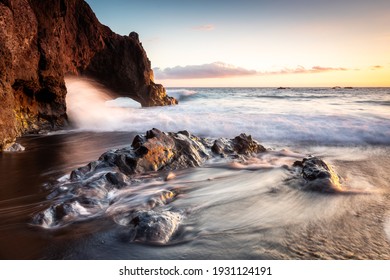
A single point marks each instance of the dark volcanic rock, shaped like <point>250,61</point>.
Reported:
<point>244,144</point>
<point>156,151</point>
<point>241,145</point>
<point>161,151</point>
<point>319,175</point>
<point>128,184</point>
<point>153,151</point>
<point>60,213</point>
<point>152,226</point>
<point>41,41</point>
<point>91,189</point>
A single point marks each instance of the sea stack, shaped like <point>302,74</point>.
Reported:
<point>41,42</point>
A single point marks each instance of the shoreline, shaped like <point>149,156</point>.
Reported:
<point>318,226</point>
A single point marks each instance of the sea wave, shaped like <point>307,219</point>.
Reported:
<point>181,94</point>
<point>123,102</point>
<point>227,113</point>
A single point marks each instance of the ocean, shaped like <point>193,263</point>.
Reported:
<point>281,116</point>
<point>233,210</point>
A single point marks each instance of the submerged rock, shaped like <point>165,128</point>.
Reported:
<point>151,226</point>
<point>154,226</point>
<point>319,176</point>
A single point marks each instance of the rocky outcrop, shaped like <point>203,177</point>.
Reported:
<point>318,175</point>
<point>151,226</point>
<point>132,185</point>
<point>15,147</point>
<point>41,42</point>
<point>240,145</point>
<point>90,190</point>
<point>160,151</point>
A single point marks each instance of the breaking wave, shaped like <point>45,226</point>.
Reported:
<point>342,119</point>
<point>181,94</point>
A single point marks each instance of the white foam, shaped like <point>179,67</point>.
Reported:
<point>91,106</point>
<point>180,94</point>
<point>226,113</point>
<point>123,102</point>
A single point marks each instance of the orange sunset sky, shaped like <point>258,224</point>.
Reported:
<point>246,43</point>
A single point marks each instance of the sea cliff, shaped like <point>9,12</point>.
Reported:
<point>41,42</point>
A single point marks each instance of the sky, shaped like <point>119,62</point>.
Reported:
<point>224,43</point>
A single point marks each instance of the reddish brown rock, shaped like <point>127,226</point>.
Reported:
<point>41,42</point>
<point>90,189</point>
<point>241,145</point>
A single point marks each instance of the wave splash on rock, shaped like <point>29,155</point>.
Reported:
<point>36,57</point>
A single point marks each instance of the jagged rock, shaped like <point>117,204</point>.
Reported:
<point>245,145</point>
<point>117,184</point>
<point>61,213</point>
<point>240,145</point>
<point>156,151</point>
<point>319,176</point>
<point>41,42</point>
<point>15,147</point>
<point>156,95</point>
<point>163,198</point>
<point>116,179</point>
<point>91,188</point>
<point>153,226</point>
<point>222,147</point>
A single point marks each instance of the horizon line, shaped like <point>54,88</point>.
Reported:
<point>280,87</point>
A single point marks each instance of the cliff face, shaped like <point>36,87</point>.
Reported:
<point>41,41</point>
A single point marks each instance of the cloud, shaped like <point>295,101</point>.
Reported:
<point>206,27</point>
<point>303,70</point>
<point>211,70</point>
<point>223,70</point>
<point>376,67</point>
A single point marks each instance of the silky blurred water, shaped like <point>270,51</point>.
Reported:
<point>231,210</point>
<point>320,115</point>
